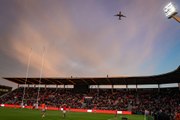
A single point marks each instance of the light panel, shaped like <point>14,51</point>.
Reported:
<point>93,86</point>
<point>148,86</point>
<point>131,86</point>
<point>170,10</point>
<point>105,86</point>
<point>119,86</point>
<point>170,85</point>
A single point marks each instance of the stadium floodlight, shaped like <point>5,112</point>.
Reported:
<point>171,11</point>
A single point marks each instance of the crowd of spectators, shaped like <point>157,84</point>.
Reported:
<point>167,100</point>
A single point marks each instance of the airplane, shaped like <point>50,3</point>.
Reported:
<point>120,15</point>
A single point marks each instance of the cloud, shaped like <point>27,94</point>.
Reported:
<point>80,48</point>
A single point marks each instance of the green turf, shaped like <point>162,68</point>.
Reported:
<point>26,114</point>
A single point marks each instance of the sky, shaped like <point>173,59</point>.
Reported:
<point>83,38</point>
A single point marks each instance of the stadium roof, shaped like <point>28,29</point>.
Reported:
<point>171,77</point>
<point>3,86</point>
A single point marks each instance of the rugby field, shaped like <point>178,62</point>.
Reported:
<point>28,114</point>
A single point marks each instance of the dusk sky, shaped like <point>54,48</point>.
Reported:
<point>83,38</point>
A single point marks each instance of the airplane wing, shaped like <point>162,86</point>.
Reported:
<point>123,16</point>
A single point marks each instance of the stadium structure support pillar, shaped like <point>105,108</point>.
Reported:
<point>177,18</point>
<point>158,87</point>
<point>98,89</point>
<point>179,86</point>
<point>112,89</point>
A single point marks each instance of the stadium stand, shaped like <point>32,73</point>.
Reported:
<point>155,100</point>
<point>4,89</point>
<point>167,99</point>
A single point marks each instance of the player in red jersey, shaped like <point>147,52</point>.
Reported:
<point>177,116</point>
<point>64,110</point>
<point>116,113</point>
<point>95,107</point>
<point>43,110</point>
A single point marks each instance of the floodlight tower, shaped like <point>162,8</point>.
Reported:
<point>171,11</point>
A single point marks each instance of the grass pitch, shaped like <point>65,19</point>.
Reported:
<point>28,114</point>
